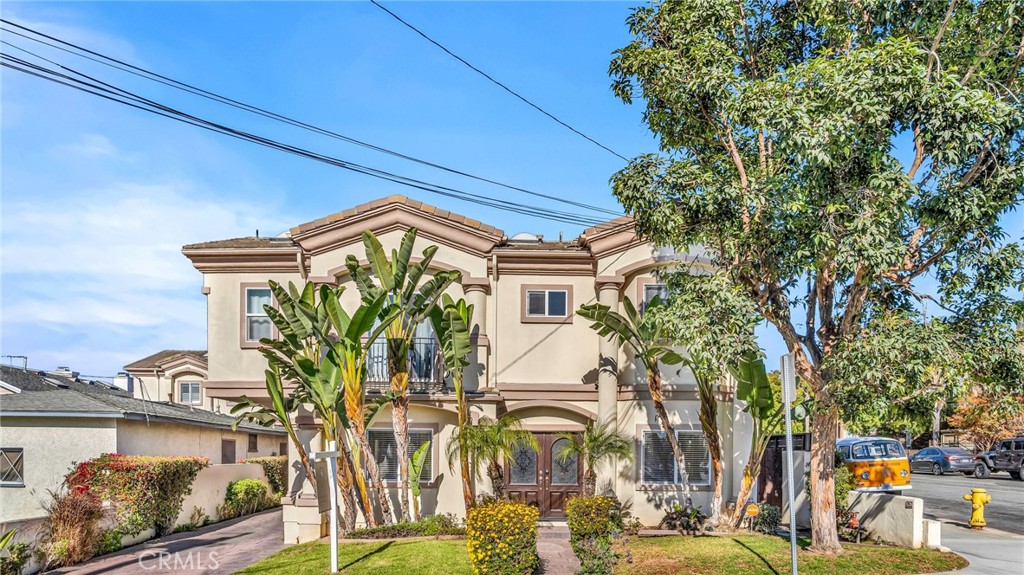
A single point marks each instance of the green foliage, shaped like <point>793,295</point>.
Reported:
<point>70,533</point>
<point>145,491</point>
<point>432,526</point>
<point>490,441</point>
<point>597,443</point>
<point>501,537</point>
<point>246,496</point>
<point>767,520</point>
<point>416,465</point>
<point>110,541</point>
<point>276,470</point>
<point>645,336</point>
<point>18,555</point>
<point>590,518</point>
<point>198,518</point>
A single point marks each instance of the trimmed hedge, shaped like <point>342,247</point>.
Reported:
<point>432,526</point>
<point>589,518</point>
<point>501,537</point>
<point>246,496</point>
<point>276,470</point>
<point>145,491</point>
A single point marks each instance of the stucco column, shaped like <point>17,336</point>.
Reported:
<point>477,290</point>
<point>608,288</point>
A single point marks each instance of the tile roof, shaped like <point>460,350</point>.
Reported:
<point>247,242</point>
<point>157,359</point>
<point>621,221</point>
<point>397,199</point>
<point>43,392</point>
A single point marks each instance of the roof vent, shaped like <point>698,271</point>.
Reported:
<point>526,238</point>
<point>63,371</point>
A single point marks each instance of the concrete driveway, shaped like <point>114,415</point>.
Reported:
<point>942,498</point>
<point>223,547</point>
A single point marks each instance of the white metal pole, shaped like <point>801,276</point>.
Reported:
<point>332,473</point>
<point>788,391</point>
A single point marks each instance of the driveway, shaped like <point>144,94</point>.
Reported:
<point>223,547</point>
<point>942,495</point>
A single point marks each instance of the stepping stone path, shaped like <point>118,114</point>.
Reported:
<point>556,556</point>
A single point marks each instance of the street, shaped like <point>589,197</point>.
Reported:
<point>942,495</point>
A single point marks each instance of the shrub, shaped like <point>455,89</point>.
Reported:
<point>767,519</point>
<point>632,526</point>
<point>432,526</point>
<point>145,491</point>
<point>502,538</point>
<point>276,470</point>
<point>685,520</point>
<point>71,531</point>
<point>198,518</point>
<point>589,518</point>
<point>246,496</point>
<point>17,557</point>
<point>110,541</point>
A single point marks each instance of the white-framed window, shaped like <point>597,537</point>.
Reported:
<point>385,450</point>
<point>257,323</point>
<point>547,303</point>
<point>658,463</point>
<point>652,291</point>
<point>190,392</point>
<point>12,467</point>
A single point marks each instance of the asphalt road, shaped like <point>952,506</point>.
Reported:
<point>942,495</point>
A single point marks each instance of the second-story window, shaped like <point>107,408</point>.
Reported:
<point>189,392</point>
<point>257,324</point>
<point>547,303</point>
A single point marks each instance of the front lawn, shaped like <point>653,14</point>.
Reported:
<point>423,557</point>
<point>756,555</point>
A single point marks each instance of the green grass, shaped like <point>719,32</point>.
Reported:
<point>761,554</point>
<point>422,557</point>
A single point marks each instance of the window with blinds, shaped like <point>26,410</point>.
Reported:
<point>658,465</point>
<point>385,451</point>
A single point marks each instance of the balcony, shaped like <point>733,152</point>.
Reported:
<point>426,366</point>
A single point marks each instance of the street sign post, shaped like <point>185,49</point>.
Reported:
<point>788,393</point>
<point>330,458</point>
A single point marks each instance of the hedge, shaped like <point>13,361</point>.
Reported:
<point>246,496</point>
<point>589,518</point>
<point>502,538</point>
<point>430,526</point>
<point>276,470</point>
<point>145,491</point>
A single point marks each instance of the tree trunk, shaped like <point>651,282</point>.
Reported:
<point>398,370</point>
<point>463,422</point>
<point>750,471</point>
<point>709,424</point>
<point>824,431</point>
<point>589,482</point>
<point>497,476</point>
<point>373,470</point>
<point>654,383</point>
<point>349,474</point>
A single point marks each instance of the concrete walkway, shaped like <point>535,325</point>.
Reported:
<point>989,551</point>
<point>556,556</point>
<point>223,547</point>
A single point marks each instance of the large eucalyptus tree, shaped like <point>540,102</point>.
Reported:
<point>409,301</point>
<point>829,156</point>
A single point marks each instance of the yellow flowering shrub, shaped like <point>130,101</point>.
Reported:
<point>502,538</point>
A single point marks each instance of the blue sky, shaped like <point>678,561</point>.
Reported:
<point>97,198</point>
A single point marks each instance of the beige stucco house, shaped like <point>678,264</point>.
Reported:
<point>174,376</point>
<point>533,356</point>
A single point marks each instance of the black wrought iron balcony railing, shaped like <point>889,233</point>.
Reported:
<point>426,366</point>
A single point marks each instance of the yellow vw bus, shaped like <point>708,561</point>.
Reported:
<point>877,463</point>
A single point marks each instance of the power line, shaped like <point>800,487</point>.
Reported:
<point>498,83</point>
<point>186,87</point>
<point>125,97</point>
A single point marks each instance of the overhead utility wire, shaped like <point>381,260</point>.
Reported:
<point>186,87</point>
<point>499,84</point>
<point>130,99</point>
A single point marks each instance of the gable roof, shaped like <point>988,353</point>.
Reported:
<point>161,358</point>
<point>393,200</point>
<point>36,380</point>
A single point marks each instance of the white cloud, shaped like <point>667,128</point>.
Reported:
<point>92,146</point>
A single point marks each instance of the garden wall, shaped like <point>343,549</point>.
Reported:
<point>892,518</point>
<point>211,485</point>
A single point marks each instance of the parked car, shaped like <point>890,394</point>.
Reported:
<point>877,463</point>
<point>1006,455</point>
<point>940,460</point>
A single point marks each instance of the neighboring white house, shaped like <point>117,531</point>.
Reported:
<point>49,422</point>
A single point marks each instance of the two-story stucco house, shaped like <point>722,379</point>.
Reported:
<point>534,357</point>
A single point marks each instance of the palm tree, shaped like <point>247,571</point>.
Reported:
<point>644,336</point>
<point>597,444</point>
<point>399,283</point>
<point>451,321</point>
<point>488,443</point>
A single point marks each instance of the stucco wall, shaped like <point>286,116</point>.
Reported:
<point>136,437</point>
<point>51,446</point>
<point>891,518</point>
<point>211,486</point>
<point>323,262</point>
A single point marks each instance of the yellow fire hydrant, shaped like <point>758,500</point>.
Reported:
<point>978,498</point>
